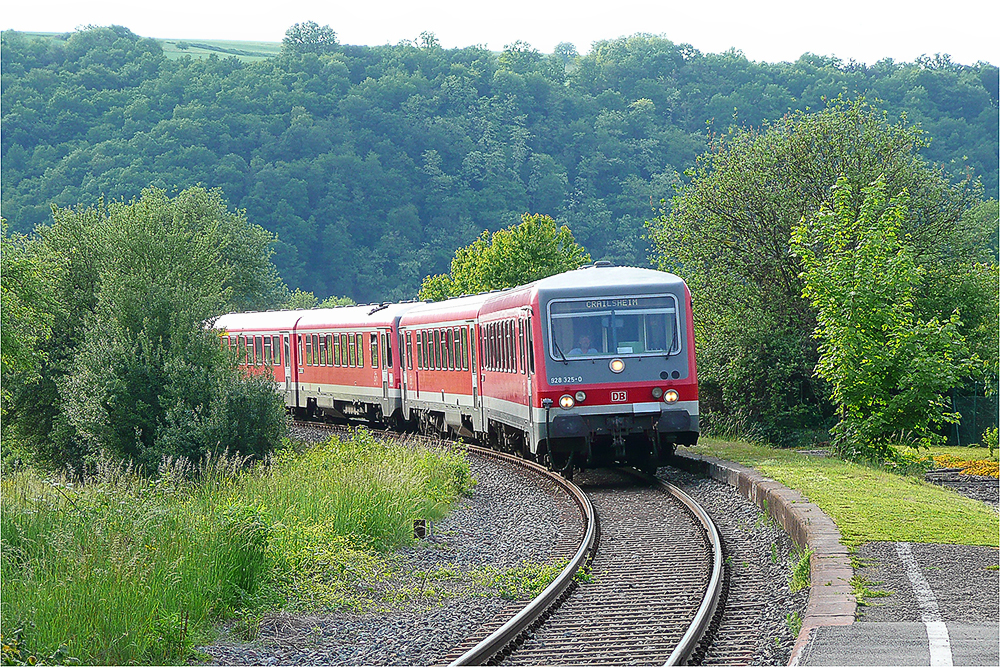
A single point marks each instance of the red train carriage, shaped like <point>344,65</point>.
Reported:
<point>441,388</point>
<point>334,363</point>
<point>583,368</point>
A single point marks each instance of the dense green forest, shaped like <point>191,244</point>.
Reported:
<point>372,164</point>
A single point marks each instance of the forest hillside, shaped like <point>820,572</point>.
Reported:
<point>372,164</point>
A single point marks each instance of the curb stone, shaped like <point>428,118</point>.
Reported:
<point>831,601</point>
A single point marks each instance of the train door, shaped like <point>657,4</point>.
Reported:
<point>404,357</point>
<point>386,362</point>
<point>529,369</point>
<point>287,359</point>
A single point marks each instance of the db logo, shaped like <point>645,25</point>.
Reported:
<point>618,397</point>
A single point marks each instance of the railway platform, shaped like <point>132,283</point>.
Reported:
<point>943,610</point>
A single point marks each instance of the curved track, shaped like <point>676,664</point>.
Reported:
<point>651,591</point>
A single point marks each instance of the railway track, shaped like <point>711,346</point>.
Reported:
<point>651,592</point>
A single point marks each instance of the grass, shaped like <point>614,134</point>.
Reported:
<point>861,587</point>
<point>200,48</point>
<point>126,569</point>
<point>869,504</point>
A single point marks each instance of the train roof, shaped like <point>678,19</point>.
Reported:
<point>370,315</point>
<point>457,308</point>
<point>595,278</point>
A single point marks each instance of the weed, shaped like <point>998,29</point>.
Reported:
<point>524,581</point>
<point>794,622</point>
<point>993,567</point>
<point>774,552</point>
<point>862,592</point>
<point>799,577</point>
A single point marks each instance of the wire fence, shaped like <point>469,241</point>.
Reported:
<point>978,412</point>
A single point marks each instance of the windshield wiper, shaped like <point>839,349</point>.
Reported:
<point>556,345</point>
<point>673,339</point>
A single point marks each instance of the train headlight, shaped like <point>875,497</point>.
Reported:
<point>616,365</point>
<point>580,397</point>
<point>670,396</point>
<point>566,402</point>
<point>657,392</point>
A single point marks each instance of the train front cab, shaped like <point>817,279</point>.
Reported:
<point>619,381</point>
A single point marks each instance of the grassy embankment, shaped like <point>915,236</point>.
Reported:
<point>126,569</point>
<point>868,504</point>
<point>201,48</point>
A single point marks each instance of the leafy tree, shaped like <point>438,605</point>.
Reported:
<point>888,368</point>
<point>727,233</point>
<point>133,369</point>
<point>309,37</point>
<point>27,309</point>
<point>517,255</point>
<point>299,300</point>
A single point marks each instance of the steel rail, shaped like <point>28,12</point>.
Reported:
<point>509,631</point>
<point>706,611</point>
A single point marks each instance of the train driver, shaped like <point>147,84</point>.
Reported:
<point>583,347</point>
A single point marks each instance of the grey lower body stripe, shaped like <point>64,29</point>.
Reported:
<point>937,632</point>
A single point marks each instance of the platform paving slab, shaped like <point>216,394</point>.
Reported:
<point>893,644</point>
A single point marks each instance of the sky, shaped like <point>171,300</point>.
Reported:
<point>781,30</point>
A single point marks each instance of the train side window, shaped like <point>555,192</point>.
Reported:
<point>267,350</point>
<point>258,349</point>
<point>492,348</point>
<point>309,350</point>
<point>315,338</point>
<point>276,350</point>
<point>373,342</point>
<point>409,350</point>
<point>388,349</point>
<point>321,351</point>
<point>457,348</point>
<point>505,339</point>
<point>436,350</point>
<point>336,349</point>
<point>473,344</point>
<point>488,347</point>
<point>520,344</point>
<point>531,349</point>
<point>465,349</point>
<point>449,350</point>
<point>442,355</point>
<point>420,350</point>
<point>505,347</point>
<point>301,357</point>
<point>288,361</point>
<point>512,344</point>
<point>360,344</point>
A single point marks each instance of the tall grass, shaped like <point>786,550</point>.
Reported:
<point>128,569</point>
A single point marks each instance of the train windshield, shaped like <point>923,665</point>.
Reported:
<point>614,326</point>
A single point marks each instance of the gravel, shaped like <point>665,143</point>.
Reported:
<point>512,518</point>
<point>978,487</point>
<point>759,558</point>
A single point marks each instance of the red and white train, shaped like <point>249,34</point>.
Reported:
<point>580,369</point>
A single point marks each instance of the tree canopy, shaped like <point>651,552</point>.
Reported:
<point>131,367</point>
<point>727,233</point>
<point>372,164</point>
<point>536,248</point>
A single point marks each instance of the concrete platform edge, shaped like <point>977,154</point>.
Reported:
<point>831,601</point>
